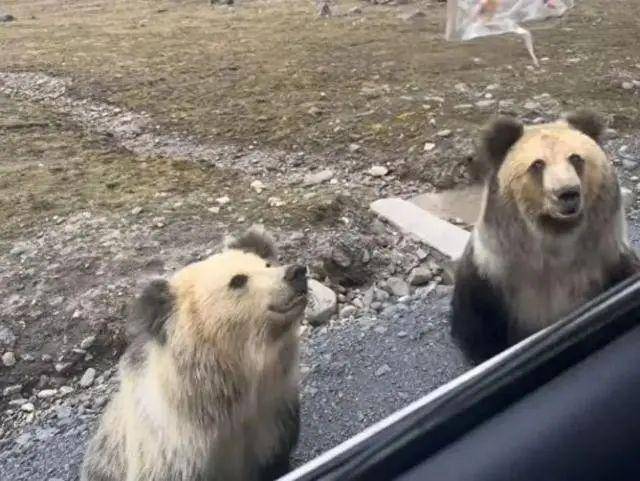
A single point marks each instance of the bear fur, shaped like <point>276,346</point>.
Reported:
<point>209,384</point>
<point>551,233</point>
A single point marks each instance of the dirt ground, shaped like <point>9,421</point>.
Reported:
<point>281,94</point>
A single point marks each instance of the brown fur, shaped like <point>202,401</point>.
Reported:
<point>527,264</point>
<point>215,397</point>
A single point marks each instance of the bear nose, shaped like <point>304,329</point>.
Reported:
<point>296,276</point>
<point>569,199</point>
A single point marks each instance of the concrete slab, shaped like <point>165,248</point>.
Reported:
<point>410,219</point>
<point>459,203</point>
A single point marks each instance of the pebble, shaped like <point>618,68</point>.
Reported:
<point>420,276</point>
<point>348,311</point>
<point>7,337</point>
<point>353,148</point>
<point>214,210</point>
<point>627,197</point>
<point>323,303</point>
<point>27,407</point>
<point>275,202</point>
<point>627,85</point>
<point>382,370</point>
<point>629,164</point>
<point>11,390</point>
<point>64,390</point>
<point>136,210</point>
<point>87,378</point>
<point>444,133</point>
<point>402,334</point>
<point>87,342</point>
<point>9,359</point>
<point>378,171</point>
<point>429,146</point>
<point>47,393</point>
<point>258,186</point>
<point>485,104</point>
<point>223,200</point>
<point>318,177</point>
<point>412,15</point>
<point>398,287</point>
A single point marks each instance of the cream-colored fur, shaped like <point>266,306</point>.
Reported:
<point>212,401</point>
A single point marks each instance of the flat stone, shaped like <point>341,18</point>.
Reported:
<point>318,177</point>
<point>439,234</point>
<point>461,203</point>
<point>322,303</point>
<point>88,377</point>
<point>420,276</point>
<point>378,171</point>
<point>398,287</point>
<point>47,393</point>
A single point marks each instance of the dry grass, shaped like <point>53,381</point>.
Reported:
<point>254,72</point>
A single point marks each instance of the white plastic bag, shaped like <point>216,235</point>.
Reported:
<point>467,19</point>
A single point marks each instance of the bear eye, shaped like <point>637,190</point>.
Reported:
<point>576,160</point>
<point>537,165</point>
<point>268,264</point>
<point>238,281</point>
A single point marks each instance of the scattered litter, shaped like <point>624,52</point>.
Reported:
<point>468,19</point>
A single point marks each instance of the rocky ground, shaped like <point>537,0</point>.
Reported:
<point>111,172</point>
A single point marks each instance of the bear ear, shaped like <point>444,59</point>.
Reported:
<point>588,123</point>
<point>149,311</point>
<point>255,240</point>
<point>498,137</point>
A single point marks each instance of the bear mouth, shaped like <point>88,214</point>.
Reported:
<point>293,306</point>
<point>560,222</point>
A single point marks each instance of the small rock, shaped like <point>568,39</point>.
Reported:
<point>412,15</point>
<point>318,177</point>
<point>275,202</point>
<point>355,11</point>
<point>463,107</point>
<point>348,311</point>
<point>7,337</point>
<point>63,412</point>
<point>444,133</point>
<point>353,148</point>
<point>214,210</point>
<point>627,197</point>
<point>378,171</point>
<point>9,359</point>
<point>429,146</point>
<point>315,111</point>
<point>627,85</point>
<point>258,186</point>
<point>62,366</point>
<point>4,18</point>
<point>27,407</point>
<point>629,164</point>
<point>398,287</point>
<point>17,402</point>
<point>136,210</point>
<point>87,342</point>
<point>420,276</point>
<point>87,378</point>
<point>322,303</point>
<point>382,370</point>
<point>485,104</point>
<point>11,390</point>
<point>47,393</point>
<point>65,390</point>
<point>223,200</point>
<point>402,334</point>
